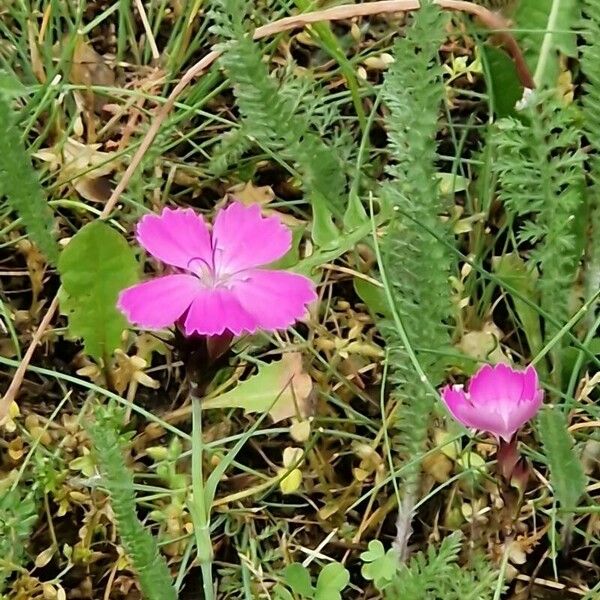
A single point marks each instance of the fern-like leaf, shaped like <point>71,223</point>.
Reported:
<point>154,577</point>
<point>417,263</point>
<point>590,63</point>
<point>20,185</point>
<point>540,170</point>
<point>272,119</point>
<point>18,515</point>
<point>436,575</point>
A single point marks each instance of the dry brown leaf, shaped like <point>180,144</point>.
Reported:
<point>438,466</point>
<point>130,369</point>
<point>247,193</point>
<point>84,166</point>
<point>37,64</point>
<point>90,69</point>
<point>484,345</point>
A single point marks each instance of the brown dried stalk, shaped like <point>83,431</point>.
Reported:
<point>492,20</point>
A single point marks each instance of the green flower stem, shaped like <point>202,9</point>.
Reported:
<point>199,510</point>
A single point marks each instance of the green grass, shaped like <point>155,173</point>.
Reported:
<point>354,464</point>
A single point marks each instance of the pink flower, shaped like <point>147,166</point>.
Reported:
<point>216,282</point>
<point>499,400</point>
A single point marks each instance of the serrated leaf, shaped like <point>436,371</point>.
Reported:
<point>94,267</point>
<point>139,544</point>
<point>333,578</point>
<point>298,578</point>
<point>566,471</point>
<point>281,388</point>
<point>545,28</point>
<point>20,184</point>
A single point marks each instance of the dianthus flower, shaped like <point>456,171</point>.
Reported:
<point>498,400</point>
<point>217,282</point>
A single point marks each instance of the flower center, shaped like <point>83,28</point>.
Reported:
<point>208,275</point>
<point>204,271</point>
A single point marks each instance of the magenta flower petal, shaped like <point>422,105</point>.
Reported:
<point>176,237</point>
<point>458,404</point>
<point>497,385</point>
<point>521,413</point>
<point>276,299</point>
<point>221,290</point>
<point>159,302</point>
<point>215,311</point>
<point>499,400</point>
<point>244,239</point>
<point>530,382</point>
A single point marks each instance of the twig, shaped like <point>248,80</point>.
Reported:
<point>490,19</point>
<point>158,120</point>
<point>19,375</point>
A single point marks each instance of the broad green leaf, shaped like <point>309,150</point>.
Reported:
<point>333,578</point>
<point>566,471</point>
<point>511,269</point>
<point>10,86</point>
<point>545,29</point>
<point>298,578</point>
<point>280,388</point>
<point>280,593</point>
<point>94,267</point>
<point>20,184</point>
<point>504,85</point>
<point>290,259</point>
<point>372,296</point>
<point>324,232</point>
<point>355,214</point>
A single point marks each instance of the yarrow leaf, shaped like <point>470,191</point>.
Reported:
<point>140,545</point>
<point>590,64</point>
<point>21,186</point>
<point>415,252</point>
<point>539,164</point>
<point>436,575</point>
<point>272,119</point>
<point>566,471</point>
<point>94,267</point>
